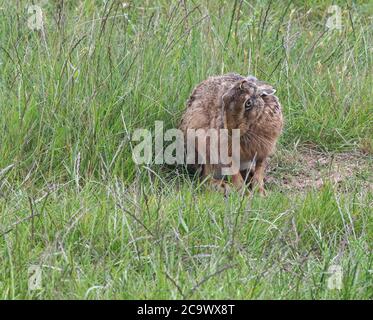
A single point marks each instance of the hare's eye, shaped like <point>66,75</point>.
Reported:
<point>248,104</point>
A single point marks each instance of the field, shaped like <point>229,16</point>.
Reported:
<point>76,210</point>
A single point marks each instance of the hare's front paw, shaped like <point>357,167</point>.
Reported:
<point>258,186</point>
<point>220,186</point>
<point>262,191</point>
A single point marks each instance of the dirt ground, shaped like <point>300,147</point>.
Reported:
<point>308,168</point>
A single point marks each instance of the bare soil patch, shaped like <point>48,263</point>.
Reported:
<point>308,168</point>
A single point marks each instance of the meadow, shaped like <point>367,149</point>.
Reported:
<point>78,212</point>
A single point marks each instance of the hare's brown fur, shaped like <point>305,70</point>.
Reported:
<point>232,101</point>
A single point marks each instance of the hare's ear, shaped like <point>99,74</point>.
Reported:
<point>267,91</point>
<point>225,99</point>
<point>242,82</point>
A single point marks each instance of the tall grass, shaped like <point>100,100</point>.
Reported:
<point>99,71</point>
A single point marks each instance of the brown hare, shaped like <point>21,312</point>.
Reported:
<point>232,101</point>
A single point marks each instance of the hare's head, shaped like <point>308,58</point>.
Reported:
<point>244,102</point>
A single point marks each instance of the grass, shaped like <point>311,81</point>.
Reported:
<point>73,202</point>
